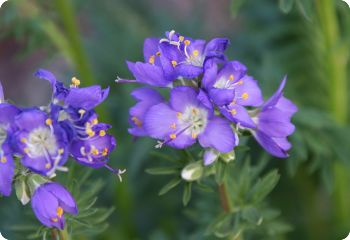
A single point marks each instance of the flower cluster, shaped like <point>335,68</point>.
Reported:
<point>212,99</point>
<point>39,141</point>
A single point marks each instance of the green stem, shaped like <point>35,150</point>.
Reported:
<point>225,202</point>
<point>64,235</point>
<point>336,58</point>
<point>66,13</point>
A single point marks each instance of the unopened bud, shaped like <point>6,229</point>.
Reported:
<point>192,171</point>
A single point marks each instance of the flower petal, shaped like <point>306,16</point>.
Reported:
<point>219,135</point>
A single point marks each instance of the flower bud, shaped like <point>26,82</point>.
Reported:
<point>192,171</point>
<point>228,157</point>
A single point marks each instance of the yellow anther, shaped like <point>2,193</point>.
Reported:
<point>233,112</point>
<point>60,151</point>
<point>173,126</point>
<point>233,102</point>
<point>231,78</point>
<point>245,96</point>
<point>75,82</point>
<point>95,151</point>
<point>195,53</point>
<point>187,42</point>
<point>60,212</point>
<point>102,133</point>
<point>136,121</point>
<point>151,59</point>
<point>26,150</point>
<point>105,152</point>
<point>4,159</point>
<point>194,135</point>
<point>174,63</point>
<point>240,82</point>
<point>48,122</point>
<point>158,54</point>
<point>81,112</point>
<point>94,121</point>
<point>48,165</point>
<point>178,115</point>
<point>181,38</point>
<point>90,132</point>
<point>172,136</point>
<point>194,111</point>
<point>23,140</point>
<point>54,219</point>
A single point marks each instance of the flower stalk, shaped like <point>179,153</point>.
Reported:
<point>336,56</point>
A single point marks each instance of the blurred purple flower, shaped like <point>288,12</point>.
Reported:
<point>50,201</point>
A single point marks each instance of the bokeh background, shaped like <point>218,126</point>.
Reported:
<point>308,40</point>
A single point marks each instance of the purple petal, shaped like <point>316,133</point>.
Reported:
<point>182,97</point>
<point>46,75</point>
<point>8,113</point>
<point>209,76</point>
<point>276,96</point>
<point>222,96</point>
<point>30,119</point>
<point>66,200</point>
<point>210,156</point>
<point>86,98</point>
<point>275,123</point>
<point>219,135</point>
<point>270,145</point>
<point>238,114</point>
<point>148,74</point>
<point>150,47</point>
<point>216,46</point>
<point>45,206</point>
<point>248,92</point>
<point>7,171</point>
<point>158,121</point>
<point>182,141</point>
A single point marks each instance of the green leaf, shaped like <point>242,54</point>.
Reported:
<point>162,171</point>
<point>286,5</point>
<point>305,7</point>
<point>186,197</point>
<point>264,186</point>
<point>220,222</point>
<point>170,185</point>
<point>252,215</point>
<point>22,190</point>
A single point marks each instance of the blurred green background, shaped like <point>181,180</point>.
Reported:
<point>309,40</point>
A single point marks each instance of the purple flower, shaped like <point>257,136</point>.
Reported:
<point>151,71</point>
<point>273,121</point>
<point>85,98</point>
<point>41,141</point>
<point>189,116</point>
<point>184,57</point>
<point>231,89</point>
<point>146,99</point>
<point>92,144</point>
<point>50,201</point>
<point>7,166</point>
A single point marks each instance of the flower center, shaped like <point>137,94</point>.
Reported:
<point>41,141</point>
<point>194,119</point>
